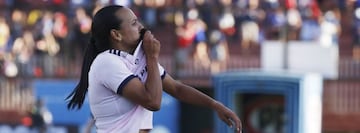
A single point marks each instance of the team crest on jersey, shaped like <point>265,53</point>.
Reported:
<point>137,61</point>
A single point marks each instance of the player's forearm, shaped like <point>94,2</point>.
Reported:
<point>153,82</point>
<point>190,95</point>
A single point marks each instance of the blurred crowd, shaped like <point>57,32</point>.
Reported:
<point>34,35</point>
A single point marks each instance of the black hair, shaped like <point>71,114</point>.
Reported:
<point>103,22</point>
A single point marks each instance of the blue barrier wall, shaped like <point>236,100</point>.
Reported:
<point>166,120</point>
<point>54,92</point>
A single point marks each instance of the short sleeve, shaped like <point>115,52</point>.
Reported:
<point>115,75</point>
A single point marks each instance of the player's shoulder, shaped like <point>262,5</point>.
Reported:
<point>106,54</point>
<point>107,58</point>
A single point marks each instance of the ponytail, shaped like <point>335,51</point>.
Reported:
<point>77,96</point>
<point>101,26</point>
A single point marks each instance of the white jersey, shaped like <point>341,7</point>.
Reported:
<point>109,73</point>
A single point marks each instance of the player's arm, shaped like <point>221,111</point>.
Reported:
<point>149,94</point>
<point>186,93</point>
<point>191,95</point>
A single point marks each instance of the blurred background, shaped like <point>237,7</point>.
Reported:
<point>42,43</point>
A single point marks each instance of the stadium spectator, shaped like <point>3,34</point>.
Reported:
<point>219,51</point>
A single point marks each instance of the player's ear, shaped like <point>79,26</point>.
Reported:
<point>115,34</point>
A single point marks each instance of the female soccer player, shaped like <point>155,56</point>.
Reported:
<point>125,80</point>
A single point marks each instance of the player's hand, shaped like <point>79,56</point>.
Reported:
<point>228,116</point>
<point>151,45</point>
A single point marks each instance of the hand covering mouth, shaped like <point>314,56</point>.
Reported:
<point>142,33</point>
